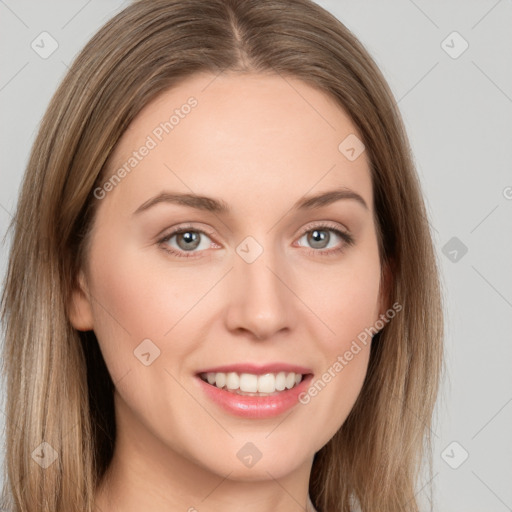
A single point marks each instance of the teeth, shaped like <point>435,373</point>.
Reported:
<point>220,380</point>
<point>250,383</point>
<point>266,383</point>
<point>280,381</point>
<point>232,381</point>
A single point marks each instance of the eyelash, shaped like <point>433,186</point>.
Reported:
<point>346,237</point>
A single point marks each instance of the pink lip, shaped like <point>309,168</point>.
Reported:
<point>258,369</point>
<point>255,407</point>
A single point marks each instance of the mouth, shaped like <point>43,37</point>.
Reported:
<point>251,384</point>
<point>255,391</point>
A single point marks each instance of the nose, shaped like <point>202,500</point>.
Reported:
<point>261,301</point>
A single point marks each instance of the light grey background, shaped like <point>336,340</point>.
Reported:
<point>458,113</point>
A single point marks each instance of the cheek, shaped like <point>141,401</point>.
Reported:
<point>136,295</point>
<point>348,304</point>
<point>345,298</point>
<point>357,306</point>
<point>133,300</point>
<point>349,309</point>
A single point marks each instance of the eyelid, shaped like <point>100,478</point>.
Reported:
<point>324,224</point>
<point>166,233</point>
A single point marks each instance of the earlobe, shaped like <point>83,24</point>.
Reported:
<point>79,308</point>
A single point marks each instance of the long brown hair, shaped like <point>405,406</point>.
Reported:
<point>58,388</point>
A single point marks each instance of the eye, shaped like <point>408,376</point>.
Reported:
<point>320,239</point>
<point>187,240</point>
<point>190,242</point>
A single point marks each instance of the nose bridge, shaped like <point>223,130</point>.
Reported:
<point>261,302</point>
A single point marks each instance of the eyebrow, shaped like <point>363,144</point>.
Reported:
<point>219,206</point>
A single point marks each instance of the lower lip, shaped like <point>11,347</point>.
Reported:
<point>256,406</point>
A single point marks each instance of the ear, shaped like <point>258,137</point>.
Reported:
<point>79,308</point>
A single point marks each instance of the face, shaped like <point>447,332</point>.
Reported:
<point>258,284</point>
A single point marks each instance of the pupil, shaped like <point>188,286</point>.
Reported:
<point>318,238</point>
<point>189,237</point>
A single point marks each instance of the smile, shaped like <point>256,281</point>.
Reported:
<point>250,384</point>
<point>254,392</point>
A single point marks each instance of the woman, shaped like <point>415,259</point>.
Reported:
<point>222,289</point>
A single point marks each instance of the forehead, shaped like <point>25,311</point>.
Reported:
<point>240,137</point>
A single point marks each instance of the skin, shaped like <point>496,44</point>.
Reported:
<point>260,143</point>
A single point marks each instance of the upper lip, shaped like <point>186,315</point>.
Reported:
<point>258,369</point>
